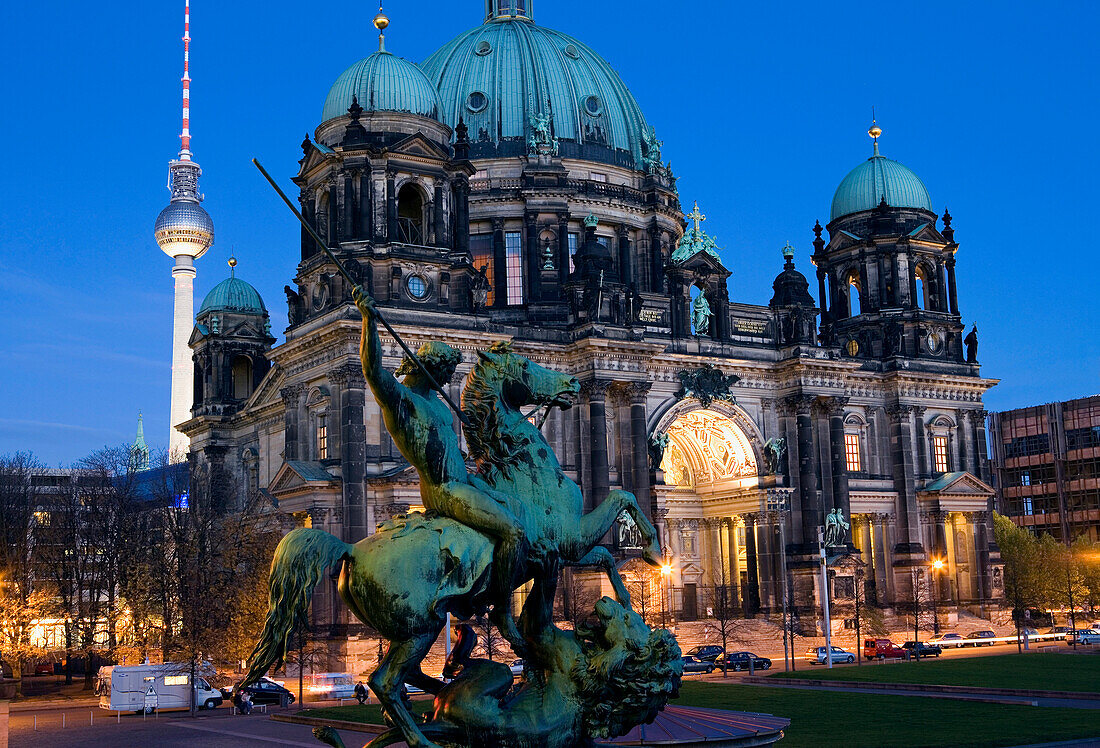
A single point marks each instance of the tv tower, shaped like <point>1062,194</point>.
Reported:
<point>184,231</point>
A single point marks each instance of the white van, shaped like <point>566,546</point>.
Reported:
<point>332,685</point>
<point>146,688</point>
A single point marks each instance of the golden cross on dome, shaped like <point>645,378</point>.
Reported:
<point>696,216</point>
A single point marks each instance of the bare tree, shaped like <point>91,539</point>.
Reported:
<point>723,613</point>
<point>23,599</point>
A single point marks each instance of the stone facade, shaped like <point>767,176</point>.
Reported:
<point>739,427</point>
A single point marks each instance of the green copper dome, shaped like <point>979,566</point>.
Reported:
<point>233,295</point>
<point>876,179</point>
<point>383,83</point>
<point>500,75</point>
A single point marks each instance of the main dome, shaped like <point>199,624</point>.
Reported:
<point>497,76</point>
<point>876,179</point>
<point>383,83</point>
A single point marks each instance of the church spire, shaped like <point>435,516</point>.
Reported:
<point>139,452</point>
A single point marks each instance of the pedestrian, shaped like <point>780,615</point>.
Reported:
<point>360,693</point>
<point>246,703</point>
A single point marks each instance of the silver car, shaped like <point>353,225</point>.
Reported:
<point>817,655</point>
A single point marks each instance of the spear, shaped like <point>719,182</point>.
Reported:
<point>377,314</point>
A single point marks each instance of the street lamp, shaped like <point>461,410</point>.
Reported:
<point>937,564</point>
<point>666,575</point>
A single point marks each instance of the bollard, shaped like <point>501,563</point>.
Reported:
<point>91,718</point>
<point>62,720</point>
<point>118,716</point>
<point>36,723</point>
<point>752,664</point>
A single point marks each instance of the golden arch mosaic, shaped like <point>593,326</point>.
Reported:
<point>706,447</point>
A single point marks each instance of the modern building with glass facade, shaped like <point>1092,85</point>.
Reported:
<point>1046,467</point>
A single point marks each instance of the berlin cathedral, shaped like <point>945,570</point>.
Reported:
<point>509,188</point>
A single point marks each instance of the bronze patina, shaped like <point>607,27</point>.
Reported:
<point>518,518</point>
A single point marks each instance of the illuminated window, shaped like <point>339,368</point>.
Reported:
<point>851,452</point>
<point>481,247</point>
<point>175,680</point>
<point>939,453</point>
<point>513,264</point>
<point>573,239</point>
<point>322,437</point>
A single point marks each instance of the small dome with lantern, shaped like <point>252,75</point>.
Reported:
<point>876,180</point>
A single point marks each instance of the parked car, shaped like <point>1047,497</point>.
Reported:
<point>976,638</point>
<point>1028,631</point>
<point>1087,636</point>
<point>267,691</point>
<point>1059,630</point>
<point>708,652</point>
<point>948,640</point>
<point>43,667</point>
<point>740,661</point>
<point>882,649</point>
<point>817,655</point>
<point>516,667</point>
<point>695,665</point>
<point>922,649</point>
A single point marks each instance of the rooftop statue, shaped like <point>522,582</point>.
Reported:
<point>517,519</point>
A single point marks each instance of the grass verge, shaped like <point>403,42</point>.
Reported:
<point>1050,672</point>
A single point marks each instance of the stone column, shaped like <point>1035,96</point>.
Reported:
<point>730,525</point>
<point>461,189</point>
<point>438,220</point>
<point>563,247</point>
<point>366,228</point>
<point>353,436</point>
<point>981,549</point>
<point>883,575</point>
<point>908,519</point>
<point>835,408</point>
<point>941,537</point>
<point>626,270</point>
<point>766,538</point>
<point>809,500</point>
<point>309,212</point>
<point>752,590</point>
<point>657,263</point>
<point>391,207</point>
<point>534,262</point>
<point>595,392</point>
<point>500,270</point>
<point>639,439</point>
<point>951,285</point>
<point>333,212</point>
<point>924,467</point>
<point>351,207</point>
<point>292,399</point>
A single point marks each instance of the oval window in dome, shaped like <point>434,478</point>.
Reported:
<point>572,51</point>
<point>593,106</point>
<point>483,48</point>
<point>417,286</point>
<point>477,101</point>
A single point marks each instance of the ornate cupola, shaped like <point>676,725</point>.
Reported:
<point>231,337</point>
<point>795,310</point>
<point>509,10</point>
<point>886,275</point>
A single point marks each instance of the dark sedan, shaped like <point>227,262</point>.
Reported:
<point>695,665</point>
<point>708,652</point>
<point>740,661</point>
<point>922,649</point>
<point>267,691</point>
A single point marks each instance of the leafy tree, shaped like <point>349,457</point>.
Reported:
<point>1027,583</point>
<point>23,597</point>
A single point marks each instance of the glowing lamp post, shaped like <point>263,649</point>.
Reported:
<point>937,564</point>
<point>666,576</point>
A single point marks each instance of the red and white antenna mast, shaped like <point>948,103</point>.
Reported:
<point>185,136</point>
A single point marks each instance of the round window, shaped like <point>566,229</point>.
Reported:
<point>593,106</point>
<point>483,48</point>
<point>572,52</point>
<point>417,286</point>
<point>477,101</point>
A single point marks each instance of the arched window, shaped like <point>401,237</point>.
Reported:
<point>410,215</point>
<point>322,216</point>
<point>921,291</point>
<point>242,377</point>
<point>854,306</point>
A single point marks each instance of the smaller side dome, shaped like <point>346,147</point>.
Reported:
<point>383,83</point>
<point>790,286</point>
<point>233,295</point>
<point>877,179</point>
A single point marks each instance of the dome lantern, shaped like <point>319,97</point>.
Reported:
<point>509,10</point>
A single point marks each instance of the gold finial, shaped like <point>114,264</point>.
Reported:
<point>232,266</point>
<point>381,21</point>
<point>874,130</point>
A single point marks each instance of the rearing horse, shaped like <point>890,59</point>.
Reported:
<point>404,579</point>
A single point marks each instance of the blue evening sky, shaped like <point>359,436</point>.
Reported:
<point>763,108</point>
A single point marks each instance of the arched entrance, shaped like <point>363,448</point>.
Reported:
<point>706,447</point>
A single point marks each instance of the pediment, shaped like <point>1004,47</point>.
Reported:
<point>315,158</point>
<point>705,262</point>
<point>268,390</point>
<point>843,239</point>
<point>927,232</point>
<point>298,476</point>
<point>419,145</point>
<point>958,484</point>
<point>197,334</point>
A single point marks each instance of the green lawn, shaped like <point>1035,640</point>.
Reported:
<point>820,719</point>
<point>1052,672</point>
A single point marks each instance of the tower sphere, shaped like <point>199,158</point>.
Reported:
<point>184,228</point>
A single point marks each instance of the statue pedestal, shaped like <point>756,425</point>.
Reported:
<point>685,727</point>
